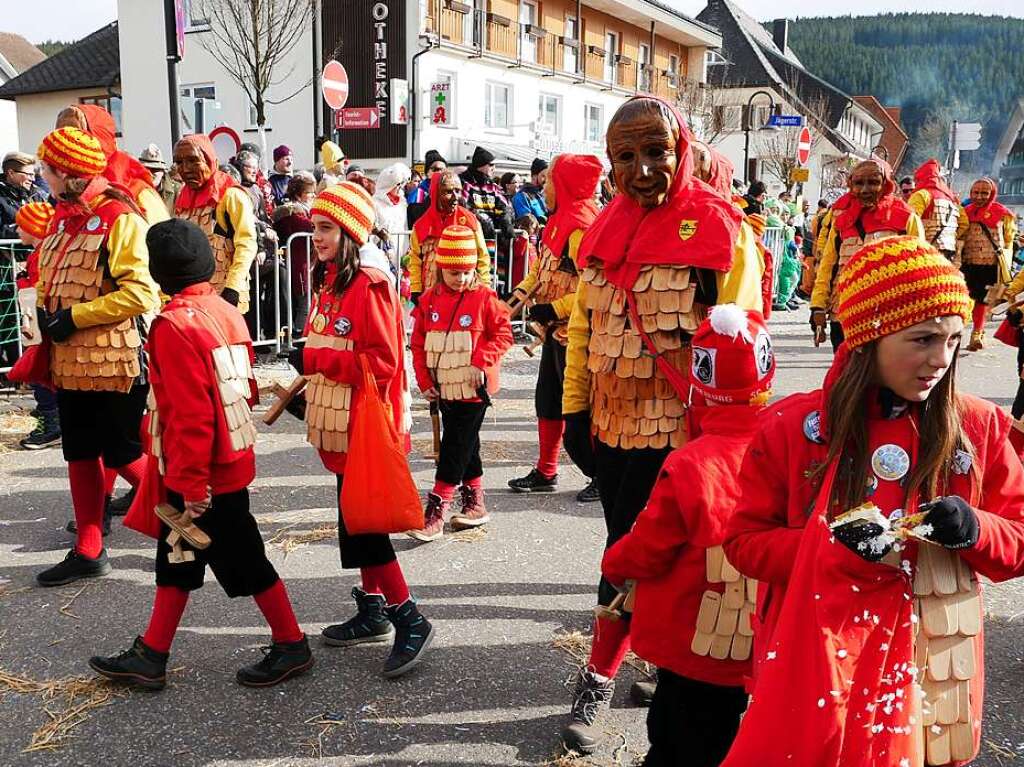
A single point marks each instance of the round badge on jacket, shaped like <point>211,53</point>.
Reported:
<point>812,427</point>
<point>890,462</point>
<point>961,462</point>
<point>93,224</point>
<point>434,316</point>
<point>465,321</point>
<point>319,323</point>
<point>342,326</point>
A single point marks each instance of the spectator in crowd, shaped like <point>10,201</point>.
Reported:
<point>755,197</point>
<point>232,171</point>
<point>333,159</point>
<point>17,187</point>
<point>529,200</point>
<point>906,187</point>
<point>282,173</point>
<point>486,200</point>
<point>357,175</point>
<point>510,183</point>
<point>433,162</point>
<point>265,271</point>
<point>389,203</point>
<point>261,182</point>
<point>152,159</point>
<point>524,248</point>
<point>292,217</point>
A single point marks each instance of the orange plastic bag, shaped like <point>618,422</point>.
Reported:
<point>378,494</point>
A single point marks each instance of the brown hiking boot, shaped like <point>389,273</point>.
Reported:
<point>433,515</point>
<point>474,513</point>
<point>977,342</point>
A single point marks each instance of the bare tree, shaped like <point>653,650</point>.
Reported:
<point>702,105</point>
<point>777,149</point>
<point>252,40</point>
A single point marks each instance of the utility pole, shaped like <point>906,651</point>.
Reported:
<point>173,57</point>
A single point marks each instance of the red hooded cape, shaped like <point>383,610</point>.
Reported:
<point>432,223</point>
<point>122,168</point>
<point>991,213</point>
<point>694,226</point>
<point>210,193</point>
<point>891,213</point>
<point>929,178</point>
<point>575,177</point>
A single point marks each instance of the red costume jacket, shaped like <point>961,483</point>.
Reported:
<point>835,649</point>
<point>476,315</point>
<point>665,552</point>
<point>367,314</point>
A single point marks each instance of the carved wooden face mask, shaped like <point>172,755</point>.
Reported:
<point>643,154</point>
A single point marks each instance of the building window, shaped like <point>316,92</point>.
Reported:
<point>593,122</point>
<point>250,114</point>
<point>111,103</point>
<point>673,71</point>
<point>643,73</point>
<point>570,56</point>
<point>497,105</point>
<point>549,115</point>
<point>611,50</point>
<point>198,107</point>
<point>527,43</point>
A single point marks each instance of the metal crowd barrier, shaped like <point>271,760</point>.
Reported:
<point>775,241</point>
<point>10,311</point>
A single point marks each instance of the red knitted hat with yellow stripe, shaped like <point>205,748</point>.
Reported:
<point>73,151</point>
<point>456,249</point>
<point>895,283</point>
<point>34,218</point>
<point>350,207</point>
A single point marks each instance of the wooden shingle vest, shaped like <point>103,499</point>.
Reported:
<point>941,224</point>
<point>223,247</point>
<point>448,357</point>
<point>328,402</point>
<point>723,622</point>
<point>979,247</point>
<point>428,266</point>
<point>557,277</point>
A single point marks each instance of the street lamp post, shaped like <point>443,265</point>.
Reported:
<point>747,127</point>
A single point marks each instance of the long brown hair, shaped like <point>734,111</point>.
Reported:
<point>347,261</point>
<point>74,186</point>
<point>940,433</point>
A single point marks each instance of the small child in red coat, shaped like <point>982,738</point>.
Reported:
<point>692,609</point>
<point>201,459</point>
<point>461,331</point>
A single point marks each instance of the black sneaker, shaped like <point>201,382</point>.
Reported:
<point>590,493</point>
<point>46,434</point>
<point>590,697</point>
<point>534,482</point>
<point>369,624</point>
<point>72,526</point>
<point>281,660</point>
<point>138,666</point>
<point>74,567</point>
<point>642,692</point>
<point>413,634</point>
<point>118,507</point>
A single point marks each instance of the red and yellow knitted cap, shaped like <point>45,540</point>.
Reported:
<point>456,249</point>
<point>894,283</point>
<point>350,207</point>
<point>73,151</point>
<point>34,218</point>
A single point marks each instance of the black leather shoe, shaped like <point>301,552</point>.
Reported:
<point>369,624</point>
<point>74,567</point>
<point>534,482</point>
<point>590,493</point>
<point>138,666</point>
<point>118,507</point>
<point>413,634</point>
<point>282,660</point>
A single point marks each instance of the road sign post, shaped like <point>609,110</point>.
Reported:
<point>334,84</point>
<point>357,118</point>
<point>803,146</point>
<point>786,121</point>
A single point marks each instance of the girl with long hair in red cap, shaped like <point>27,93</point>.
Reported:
<point>870,510</point>
<point>987,252</point>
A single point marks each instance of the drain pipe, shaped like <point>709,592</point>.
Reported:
<point>414,104</point>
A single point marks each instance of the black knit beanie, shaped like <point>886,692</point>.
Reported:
<point>537,166</point>
<point>481,157</point>
<point>179,255</point>
<point>433,156</point>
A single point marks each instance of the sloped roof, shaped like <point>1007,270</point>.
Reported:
<point>894,138</point>
<point>19,52</point>
<point>93,61</point>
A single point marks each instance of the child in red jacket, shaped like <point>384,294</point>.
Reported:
<point>202,434</point>
<point>461,331</point>
<point>692,608</point>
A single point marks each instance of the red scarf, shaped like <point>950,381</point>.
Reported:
<point>210,193</point>
<point>992,212</point>
<point>720,175</point>
<point>575,177</point>
<point>432,223</point>
<point>889,214</point>
<point>122,168</point>
<point>929,178</point>
<point>694,226</point>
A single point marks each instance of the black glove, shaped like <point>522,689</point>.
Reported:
<point>415,298</point>
<point>856,536</point>
<point>954,523</point>
<point>543,313</point>
<point>59,325</point>
<point>295,359</point>
<point>230,295</point>
<point>578,442</point>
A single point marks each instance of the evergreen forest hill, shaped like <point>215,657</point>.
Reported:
<point>938,67</point>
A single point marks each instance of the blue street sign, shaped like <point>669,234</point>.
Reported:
<point>786,121</point>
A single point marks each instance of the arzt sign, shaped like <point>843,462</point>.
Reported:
<point>439,104</point>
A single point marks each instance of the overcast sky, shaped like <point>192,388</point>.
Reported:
<point>40,20</point>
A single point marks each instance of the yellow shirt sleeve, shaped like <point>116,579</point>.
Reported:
<point>128,264</point>
<point>824,232</point>
<point>527,283</point>
<point>741,285</point>
<point>415,264</point>
<point>826,265</point>
<point>915,228</point>
<point>563,306</point>
<point>919,201</point>
<point>236,209</point>
<point>153,207</point>
<point>483,262</point>
<point>576,386</point>
<point>962,223</point>
<point>1009,232</point>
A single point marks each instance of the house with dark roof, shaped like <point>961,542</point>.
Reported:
<point>16,55</point>
<point>87,72</point>
<point>892,146</point>
<point>756,74</point>
<point>1008,165</point>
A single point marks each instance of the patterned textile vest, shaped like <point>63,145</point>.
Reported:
<point>557,277</point>
<point>979,244</point>
<point>428,267</point>
<point>223,249</point>
<point>328,403</point>
<point>723,621</point>
<point>941,223</point>
<point>948,606</point>
<point>847,248</point>
<point>632,404</point>
<point>234,372</point>
<point>72,270</point>
<point>448,356</point>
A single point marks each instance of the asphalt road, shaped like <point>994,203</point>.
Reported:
<point>506,604</point>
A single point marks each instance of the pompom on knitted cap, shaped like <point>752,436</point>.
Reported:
<point>456,249</point>
<point>732,357</point>
<point>895,283</point>
<point>73,151</point>
<point>34,218</point>
<point>350,207</point>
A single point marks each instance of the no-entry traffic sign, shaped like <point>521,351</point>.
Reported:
<point>357,117</point>
<point>334,84</point>
<point>803,146</point>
